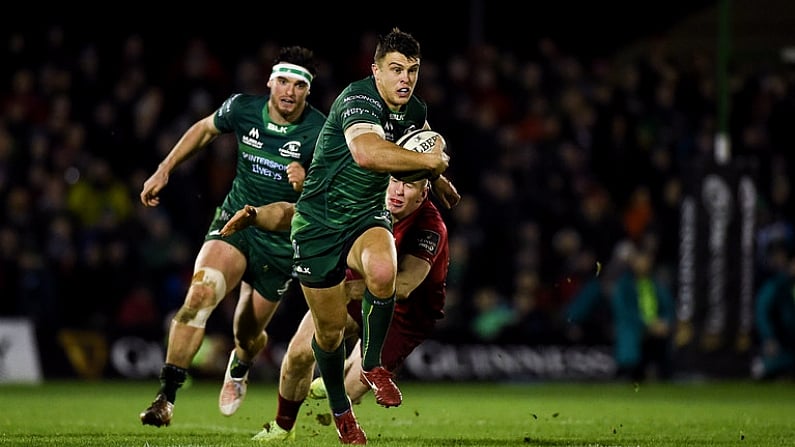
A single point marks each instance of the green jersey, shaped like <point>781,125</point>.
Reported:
<point>264,151</point>
<point>337,191</point>
<point>341,200</point>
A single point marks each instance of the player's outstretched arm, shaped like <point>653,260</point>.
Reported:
<point>195,138</point>
<point>272,217</point>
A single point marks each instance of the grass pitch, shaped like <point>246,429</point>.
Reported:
<point>74,413</point>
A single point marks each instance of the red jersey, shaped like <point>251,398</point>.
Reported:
<point>422,234</point>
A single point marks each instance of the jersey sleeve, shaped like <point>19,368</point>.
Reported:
<point>224,115</point>
<point>359,106</point>
<point>426,236</point>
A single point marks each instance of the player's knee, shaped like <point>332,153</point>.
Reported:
<point>207,289</point>
<point>382,272</point>
<point>328,340</point>
<point>300,355</point>
<point>381,281</point>
<point>211,282</point>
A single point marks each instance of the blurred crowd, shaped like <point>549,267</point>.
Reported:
<point>561,161</point>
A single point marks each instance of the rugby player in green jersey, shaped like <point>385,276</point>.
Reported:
<point>341,220</point>
<point>276,135</point>
<point>423,258</point>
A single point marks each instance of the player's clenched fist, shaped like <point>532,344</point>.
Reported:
<point>443,157</point>
<point>150,194</point>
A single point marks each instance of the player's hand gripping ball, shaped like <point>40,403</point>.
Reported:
<point>421,140</point>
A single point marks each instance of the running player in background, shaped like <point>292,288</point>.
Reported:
<point>423,257</point>
<point>341,221</point>
<point>276,135</point>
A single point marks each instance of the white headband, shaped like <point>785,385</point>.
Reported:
<point>291,71</point>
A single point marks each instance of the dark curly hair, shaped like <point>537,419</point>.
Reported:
<point>397,40</point>
<point>299,56</point>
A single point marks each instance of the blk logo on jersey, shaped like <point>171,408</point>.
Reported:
<point>277,128</point>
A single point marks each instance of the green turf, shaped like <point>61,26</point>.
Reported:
<point>528,414</point>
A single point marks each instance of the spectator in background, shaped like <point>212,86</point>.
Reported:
<point>166,253</point>
<point>638,213</point>
<point>531,324</point>
<point>644,317</point>
<point>100,200</point>
<point>597,222</point>
<point>493,315</point>
<point>775,323</point>
<point>137,313</point>
<point>589,315</point>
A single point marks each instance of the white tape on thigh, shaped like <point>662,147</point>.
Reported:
<point>214,279</point>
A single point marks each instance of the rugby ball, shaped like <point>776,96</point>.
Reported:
<point>421,140</point>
